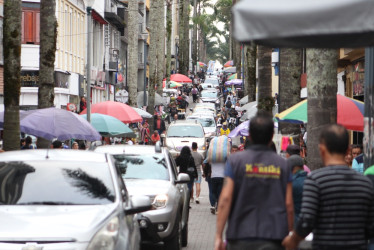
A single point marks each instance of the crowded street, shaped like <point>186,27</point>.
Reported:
<point>197,125</point>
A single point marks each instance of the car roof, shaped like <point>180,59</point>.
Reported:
<point>129,149</point>
<point>68,155</point>
<point>197,116</point>
<point>184,122</point>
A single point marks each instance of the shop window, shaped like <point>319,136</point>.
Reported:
<point>30,26</point>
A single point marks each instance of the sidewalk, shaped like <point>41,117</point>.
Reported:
<point>202,224</point>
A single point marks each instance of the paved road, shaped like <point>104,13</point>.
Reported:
<point>202,223</point>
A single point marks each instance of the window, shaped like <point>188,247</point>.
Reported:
<point>30,26</point>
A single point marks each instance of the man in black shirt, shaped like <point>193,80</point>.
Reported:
<point>337,204</point>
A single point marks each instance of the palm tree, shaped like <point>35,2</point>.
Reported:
<point>161,46</point>
<point>186,45</point>
<point>12,77</point>
<point>133,22</point>
<point>48,35</point>
<point>290,70</point>
<point>322,87</point>
<point>250,72</point>
<point>168,39</point>
<point>265,100</point>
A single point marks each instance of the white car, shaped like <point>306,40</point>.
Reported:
<point>212,80</point>
<point>208,122</point>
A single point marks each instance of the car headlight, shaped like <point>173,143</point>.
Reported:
<point>202,147</point>
<point>160,201</point>
<point>106,238</point>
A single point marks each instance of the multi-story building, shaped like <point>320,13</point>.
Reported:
<point>70,52</point>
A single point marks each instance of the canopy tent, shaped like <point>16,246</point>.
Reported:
<point>307,23</point>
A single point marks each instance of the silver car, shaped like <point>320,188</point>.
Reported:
<point>151,171</point>
<point>65,199</point>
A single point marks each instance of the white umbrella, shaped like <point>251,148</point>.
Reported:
<point>307,23</point>
<point>244,100</point>
<point>140,99</point>
<point>143,113</point>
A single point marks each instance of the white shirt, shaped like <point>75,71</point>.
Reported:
<point>218,170</point>
<point>129,142</point>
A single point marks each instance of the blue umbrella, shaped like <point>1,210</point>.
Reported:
<point>53,123</point>
<point>241,130</point>
<point>108,125</point>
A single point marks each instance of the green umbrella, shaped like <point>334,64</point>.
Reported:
<point>109,126</point>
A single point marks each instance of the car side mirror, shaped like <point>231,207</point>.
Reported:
<point>138,204</point>
<point>182,178</point>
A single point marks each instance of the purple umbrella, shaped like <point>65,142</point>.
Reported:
<point>234,82</point>
<point>51,123</point>
<point>241,130</point>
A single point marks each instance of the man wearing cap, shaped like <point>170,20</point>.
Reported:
<point>294,149</point>
<point>295,164</point>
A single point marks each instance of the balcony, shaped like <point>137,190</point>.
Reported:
<point>116,20</point>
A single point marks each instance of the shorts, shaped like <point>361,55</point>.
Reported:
<point>198,179</point>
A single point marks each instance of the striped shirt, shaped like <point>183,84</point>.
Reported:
<point>337,206</point>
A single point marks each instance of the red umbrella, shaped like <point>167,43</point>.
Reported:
<point>119,110</point>
<point>350,113</point>
<point>229,64</point>
<point>179,78</point>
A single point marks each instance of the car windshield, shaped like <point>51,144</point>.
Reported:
<point>194,131</point>
<point>142,167</point>
<point>55,183</point>
<point>210,80</point>
<point>209,94</point>
<point>205,122</point>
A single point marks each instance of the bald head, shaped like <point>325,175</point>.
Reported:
<point>335,138</point>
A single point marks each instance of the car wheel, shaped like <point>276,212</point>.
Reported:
<point>175,243</point>
<point>185,235</point>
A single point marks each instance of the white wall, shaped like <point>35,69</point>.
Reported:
<point>30,56</point>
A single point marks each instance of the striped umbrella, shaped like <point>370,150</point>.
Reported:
<point>233,76</point>
<point>229,64</point>
<point>350,113</point>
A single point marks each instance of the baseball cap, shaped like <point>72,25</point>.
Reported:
<point>295,161</point>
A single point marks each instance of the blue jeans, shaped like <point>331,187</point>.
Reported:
<point>211,198</point>
<point>254,245</point>
<point>217,184</point>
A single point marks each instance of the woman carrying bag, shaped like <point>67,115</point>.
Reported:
<point>186,165</point>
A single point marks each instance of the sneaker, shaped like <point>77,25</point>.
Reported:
<point>191,200</point>
<point>197,201</point>
<point>213,210</point>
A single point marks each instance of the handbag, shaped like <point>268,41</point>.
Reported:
<point>191,168</point>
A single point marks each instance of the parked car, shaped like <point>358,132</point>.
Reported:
<point>212,80</point>
<point>151,171</point>
<point>183,133</point>
<point>66,199</point>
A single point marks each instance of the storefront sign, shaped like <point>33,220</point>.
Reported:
<point>29,78</point>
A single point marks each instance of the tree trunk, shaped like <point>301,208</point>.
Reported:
<point>186,38</point>
<point>161,46</point>
<point>154,55</point>
<point>133,24</point>
<point>12,73</point>
<point>290,70</point>
<point>322,87</point>
<point>238,56</point>
<point>194,38</point>
<point>168,39</point>
<point>265,100</point>
<point>47,52</point>
<point>250,73</point>
<point>181,36</point>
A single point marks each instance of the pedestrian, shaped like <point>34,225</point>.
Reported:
<point>144,133</point>
<point>358,158</point>
<point>82,104</point>
<point>56,144</point>
<point>256,198</point>
<point>348,157</point>
<point>173,110</point>
<point>294,149</point>
<point>207,172</point>
<point>337,204</point>
<point>186,165</point>
<point>198,158</point>
<point>129,141</point>
<point>295,164</point>
<point>155,137</point>
<point>224,130</point>
<point>75,146</point>
<point>228,103</point>
<point>219,149</point>
<point>194,92</point>
<point>22,142</point>
<point>28,143</point>
<point>159,125</point>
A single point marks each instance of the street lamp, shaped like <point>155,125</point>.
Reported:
<point>89,4</point>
